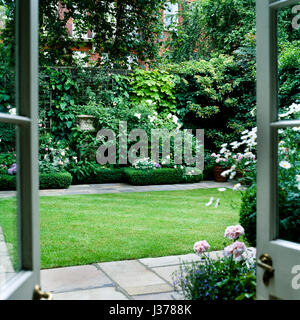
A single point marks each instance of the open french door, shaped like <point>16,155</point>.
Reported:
<point>20,270</point>
<point>278,270</point>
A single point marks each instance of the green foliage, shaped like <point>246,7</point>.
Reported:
<point>7,56</point>
<point>212,95</point>
<point>120,28</point>
<point>248,214</point>
<point>54,156</point>
<point>100,175</point>
<point>220,279</point>
<point>158,176</point>
<point>63,90</point>
<point>155,87</point>
<point>7,159</point>
<point>288,185</point>
<point>7,182</point>
<point>210,26</point>
<point>289,74</point>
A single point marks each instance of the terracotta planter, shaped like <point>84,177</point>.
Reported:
<point>86,122</point>
<point>217,170</point>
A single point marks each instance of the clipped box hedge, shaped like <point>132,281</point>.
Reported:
<point>102,175</point>
<point>7,182</point>
<point>159,176</point>
<point>56,180</point>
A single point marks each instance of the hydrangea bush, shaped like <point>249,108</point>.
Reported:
<point>231,276</point>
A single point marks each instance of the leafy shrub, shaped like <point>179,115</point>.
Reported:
<point>248,214</point>
<point>7,182</point>
<point>7,159</point>
<point>210,95</point>
<point>289,74</point>
<point>7,137</point>
<point>159,176</point>
<point>222,279</point>
<point>156,86</point>
<point>54,156</point>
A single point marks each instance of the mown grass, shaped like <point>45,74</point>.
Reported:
<point>83,229</point>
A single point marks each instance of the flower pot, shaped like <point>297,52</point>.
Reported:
<point>217,170</point>
<point>86,122</point>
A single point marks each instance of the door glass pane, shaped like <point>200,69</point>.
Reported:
<point>7,57</point>
<point>288,57</point>
<point>289,183</point>
<point>9,261</point>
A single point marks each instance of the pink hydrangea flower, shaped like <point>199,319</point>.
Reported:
<point>234,232</point>
<point>201,246</point>
<point>236,250</point>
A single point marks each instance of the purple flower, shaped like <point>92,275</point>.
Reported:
<point>12,169</point>
<point>157,165</point>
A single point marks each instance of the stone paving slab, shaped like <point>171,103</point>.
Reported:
<point>91,294</point>
<point>6,267</point>
<point>166,272</point>
<point>134,277</point>
<point>118,280</point>
<point>169,260</point>
<point>73,278</point>
<point>159,296</point>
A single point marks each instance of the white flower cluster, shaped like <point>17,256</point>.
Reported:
<point>175,120</point>
<point>294,108</point>
<point>153,118</point>
<point>145,163</point>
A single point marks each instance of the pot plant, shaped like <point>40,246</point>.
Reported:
<point>221,164</point>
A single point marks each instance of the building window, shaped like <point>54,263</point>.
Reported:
<point>170,15</point>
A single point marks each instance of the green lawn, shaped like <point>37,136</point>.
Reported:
<point>82,229</point>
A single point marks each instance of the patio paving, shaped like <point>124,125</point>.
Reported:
<point>142,279</point>
<point>123,187</point>
<point>6,266</point>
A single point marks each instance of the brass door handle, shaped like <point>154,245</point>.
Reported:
<point>39,294</point>
<point>265,262</point>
